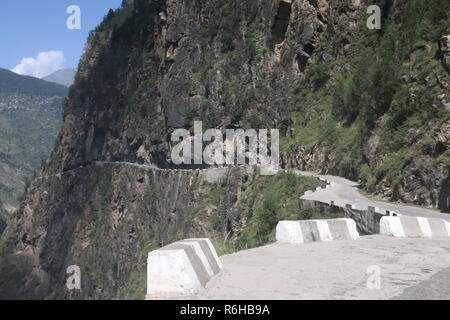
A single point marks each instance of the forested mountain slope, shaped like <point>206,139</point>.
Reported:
<point>30,119</point>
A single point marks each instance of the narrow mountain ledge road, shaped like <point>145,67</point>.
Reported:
<point>344,191</point>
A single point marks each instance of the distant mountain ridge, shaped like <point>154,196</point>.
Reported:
<point>63,77</point>
<point>11,82</point>
<point>30,118</point>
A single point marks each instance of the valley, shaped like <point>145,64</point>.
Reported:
<point>29,125</point>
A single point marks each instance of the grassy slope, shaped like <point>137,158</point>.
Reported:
<point>264,202</point>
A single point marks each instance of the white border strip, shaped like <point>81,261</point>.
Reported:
<point>213,250</point>
<point>324,230</point>
<point>425,227</point>
<point>199,251</point>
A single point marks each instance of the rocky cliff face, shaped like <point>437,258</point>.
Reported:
<point>302,66</point>
<point>185,61</point>
<point>106,224</point>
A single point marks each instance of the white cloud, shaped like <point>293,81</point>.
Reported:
<point>41,66</point>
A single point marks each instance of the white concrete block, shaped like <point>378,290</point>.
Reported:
<point>414,227</point>
<point>297,232</point>
<point>289,232</point>
<point>392,226</point>
<point>378,210</point>
<point>171,272</point>
<point>181,268</point>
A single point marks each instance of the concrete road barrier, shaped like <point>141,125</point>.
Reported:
<point>414,227</point>
<point>181,268</point>
<point>305,231</point>
<point>379,211</point>
<point>375,210</point>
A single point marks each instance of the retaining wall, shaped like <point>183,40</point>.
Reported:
<point>367,221</point>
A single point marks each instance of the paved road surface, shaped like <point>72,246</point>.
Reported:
<point>344,191</point>
<point>410,269</point>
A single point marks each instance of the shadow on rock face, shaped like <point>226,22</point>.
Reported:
<point>2,226</point>
<point>444,197</point>
<point>281,22</point>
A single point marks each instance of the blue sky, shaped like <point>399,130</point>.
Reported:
<point>30,27</point>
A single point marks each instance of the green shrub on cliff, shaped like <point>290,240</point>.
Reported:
<point>271,199</point>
